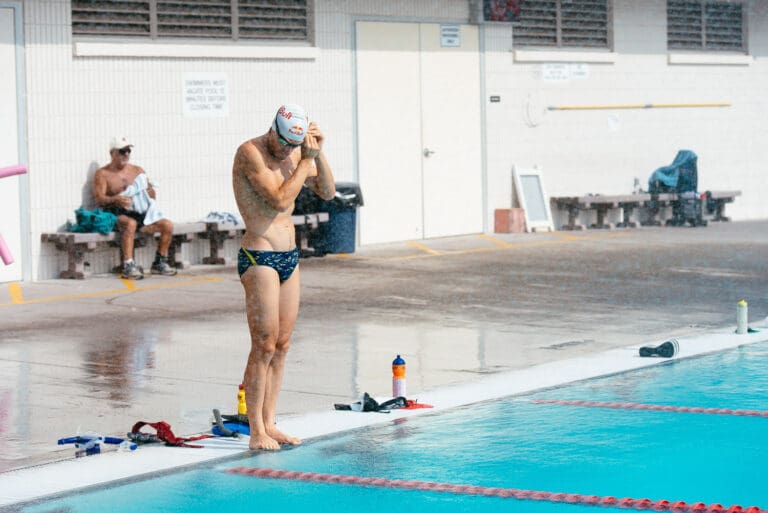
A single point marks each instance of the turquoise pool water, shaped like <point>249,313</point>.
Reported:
<point>511,443</point>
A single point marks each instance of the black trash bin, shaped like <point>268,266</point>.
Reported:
<point>338,235</point>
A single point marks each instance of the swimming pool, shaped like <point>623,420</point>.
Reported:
<point>521,442</point>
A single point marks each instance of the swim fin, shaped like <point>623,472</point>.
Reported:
<point>394,403</point>
<point>367,403</point>
<point>667,350</point>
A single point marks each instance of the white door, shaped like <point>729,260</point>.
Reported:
<point>10,211</point>
<point>418,132</point>
<point>450,104</point>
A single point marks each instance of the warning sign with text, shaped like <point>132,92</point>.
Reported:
<point>206,95</point>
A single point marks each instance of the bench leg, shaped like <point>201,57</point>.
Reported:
<point>573,215</point>
<point>627,221</point>
<point>174,252</point>
<point>302,241</point>
<point>75,261</point>
<point>720,212</point>
<point>216,240</point>
<point>654,209</point>
<point>601,224</point>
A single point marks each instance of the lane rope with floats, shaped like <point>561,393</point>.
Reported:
<point>504,493</point>
<point>653,407</point>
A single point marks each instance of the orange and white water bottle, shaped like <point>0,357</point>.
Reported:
<point>398,377</point>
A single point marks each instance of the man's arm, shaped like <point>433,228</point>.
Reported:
<point>101,196</point>
<point>322,182</point>
<point>279,196</point>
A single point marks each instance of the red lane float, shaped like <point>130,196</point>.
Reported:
<point>503,493</point>
<point>654,407</point>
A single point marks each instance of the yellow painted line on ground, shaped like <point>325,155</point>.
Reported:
<point>186,283</point>
<point>15,291</point>
<point>430,253</point>
<point>423,248</point>
<point>591,236</point>
<point>567,236</point>
<point>129,284</point>
<point>495,240</point>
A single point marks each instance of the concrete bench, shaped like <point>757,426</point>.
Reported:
<point>304,224</point>
<point>716,201</point>
<point>77,245</point>
<point>653,203</point>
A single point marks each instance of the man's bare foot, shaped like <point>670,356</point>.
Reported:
<point>282,438</point>
<point>264,442</point>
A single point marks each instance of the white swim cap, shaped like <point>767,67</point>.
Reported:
<point>291,123</point>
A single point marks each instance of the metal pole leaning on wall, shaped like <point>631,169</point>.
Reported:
<point>638,106</point>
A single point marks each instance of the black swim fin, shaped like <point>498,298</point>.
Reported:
<point>239,418</point>
<point>394,404</point>
<point>367,403</point>
<point>666,350</point>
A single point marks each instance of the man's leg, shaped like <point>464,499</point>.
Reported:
<point>126,226</point>
<point>165,228</point>
<point>262,307</point>
<point>289,309</point>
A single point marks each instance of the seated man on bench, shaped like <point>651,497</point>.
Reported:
<point>125,190</point>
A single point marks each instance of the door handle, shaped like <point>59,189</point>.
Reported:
<point>428,152</point>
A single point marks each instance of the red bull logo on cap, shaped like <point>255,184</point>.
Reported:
<point>291,123</point>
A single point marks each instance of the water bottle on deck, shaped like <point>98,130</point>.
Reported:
<point>398,377</point>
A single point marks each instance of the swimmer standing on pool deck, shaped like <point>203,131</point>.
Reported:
<point>267,175</point>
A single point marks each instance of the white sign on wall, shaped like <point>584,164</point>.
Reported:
<point>556,72</point>
<point>579,70</point>
<point>450,36</point>
<point>206,95</point>
<point>564,72</point>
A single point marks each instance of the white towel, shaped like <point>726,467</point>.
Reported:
<point>141,202</point>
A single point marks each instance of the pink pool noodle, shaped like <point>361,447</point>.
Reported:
<point>18,169</point>
<point>5,253</point>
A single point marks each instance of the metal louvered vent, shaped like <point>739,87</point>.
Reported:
<point>103,17</point>
<point>274,20</point>
<point>705,25</point>
<point>563,23</point>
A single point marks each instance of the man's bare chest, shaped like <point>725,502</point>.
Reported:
<point>118,181</point>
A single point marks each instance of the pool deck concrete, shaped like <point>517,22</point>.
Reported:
<point>475,317</point>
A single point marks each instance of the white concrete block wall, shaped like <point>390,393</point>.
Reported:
<point>601,151</point>
<point>75,104</point>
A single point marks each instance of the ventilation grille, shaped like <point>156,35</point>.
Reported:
<point>705,25</point>
<point>208,19</point>
<point>571,23</point>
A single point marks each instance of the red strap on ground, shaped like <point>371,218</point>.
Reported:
<point>504,493</point>
<point>654,407</point>
<point>165,434</point>
<point>413,404</point>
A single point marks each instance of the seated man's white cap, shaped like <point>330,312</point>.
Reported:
<point>119,142</point>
